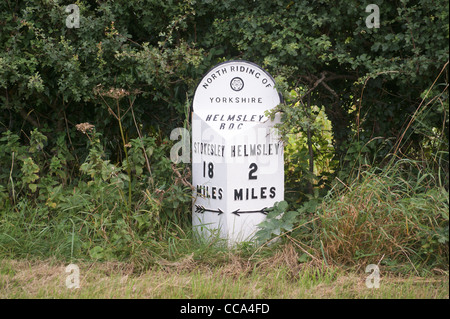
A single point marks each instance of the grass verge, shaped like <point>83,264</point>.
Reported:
<point>279,276</point>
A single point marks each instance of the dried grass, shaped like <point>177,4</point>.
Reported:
<point>279,276</point>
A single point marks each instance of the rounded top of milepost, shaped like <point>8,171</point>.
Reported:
<point>236,85</point>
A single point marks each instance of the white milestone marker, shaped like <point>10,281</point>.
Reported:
<point>237,157</point>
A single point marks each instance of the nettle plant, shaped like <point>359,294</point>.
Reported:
<point>26,162</point>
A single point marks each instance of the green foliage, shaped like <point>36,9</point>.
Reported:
<point>354,99</point>
<point>92,212</point>
<point>29,171</point>
<point>368,80</point>
<point>399,214</point>
<point>302,41</point>
<point>49,74</point>
<point>278,220</point>
<point>309,153</point>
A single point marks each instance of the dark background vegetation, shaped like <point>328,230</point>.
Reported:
<point>365,121</point>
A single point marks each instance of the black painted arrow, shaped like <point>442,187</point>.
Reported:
<point>201,209</point>
<point>238,212</point>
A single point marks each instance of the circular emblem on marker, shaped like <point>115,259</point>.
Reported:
<point>237,84</point>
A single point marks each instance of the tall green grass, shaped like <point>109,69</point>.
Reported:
<point>396,216</point>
